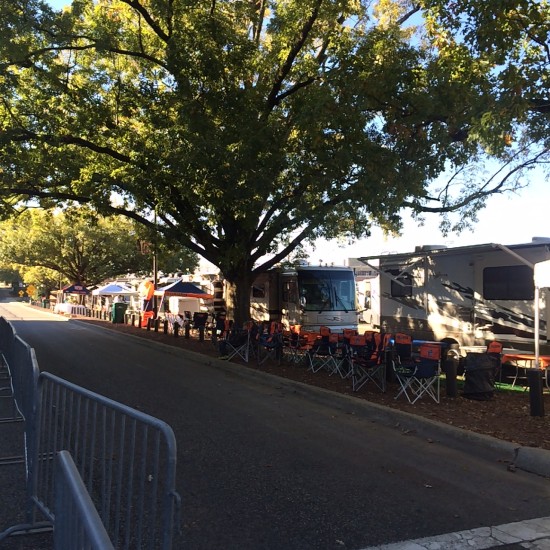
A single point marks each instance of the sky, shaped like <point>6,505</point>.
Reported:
<point>509,219</point>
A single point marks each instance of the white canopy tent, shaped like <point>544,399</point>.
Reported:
<point>542,280</point>
<point>104,296</point>
<point>114,289</point>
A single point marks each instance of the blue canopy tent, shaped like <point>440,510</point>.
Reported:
<point>72,290</point>
<point>75,288</point>
<point>183,289</point>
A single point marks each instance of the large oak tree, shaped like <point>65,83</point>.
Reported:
<point>243,128</point>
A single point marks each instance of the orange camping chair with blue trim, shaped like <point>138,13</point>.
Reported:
<point>323,352</point>
<point>270,343</point>
<point>291,342</point>
<point>422,377</point>
<point>302,345</point>
<point>339,350</point>
<point>367,361</point>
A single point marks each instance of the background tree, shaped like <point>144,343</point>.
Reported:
<point>77,246</point>
<point>43,279</point>
<point>250,127</point>
<point>9,274</point>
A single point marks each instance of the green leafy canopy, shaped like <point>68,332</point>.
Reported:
<point>251,126</point>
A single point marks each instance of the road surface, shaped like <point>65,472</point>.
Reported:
<point>261,466</point>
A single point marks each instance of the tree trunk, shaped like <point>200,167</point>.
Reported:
<point>239,296</point>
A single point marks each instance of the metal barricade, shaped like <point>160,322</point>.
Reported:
<point>78,524</point>
<point>126,458</point>
<point>24,371</point>
<point>20,372</point>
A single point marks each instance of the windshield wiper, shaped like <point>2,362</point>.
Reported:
<point>338,299</point>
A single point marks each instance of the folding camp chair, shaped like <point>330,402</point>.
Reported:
<point>322,354</point>
<point>240,342</point>
<point>367,361</point>
<point>270,343</point>
<point>347,333</point>
<point>422,375</point>
<point>300,345</point>
<point>340,355</point>
<point>402,362</point>
<point>344,359</point>
<point>291,339</point>
<point>494,351</point>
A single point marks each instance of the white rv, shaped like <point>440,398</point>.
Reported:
<point>469,295</point>
<point>309,296</point>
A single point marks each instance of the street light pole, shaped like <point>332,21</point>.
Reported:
<point>155,267</point>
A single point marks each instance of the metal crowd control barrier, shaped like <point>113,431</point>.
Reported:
<point>78,524</point>
<point>126,459</point>
<point>20,382</point>
<point>20,373</point>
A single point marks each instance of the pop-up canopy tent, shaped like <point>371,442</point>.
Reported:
<point>114,289</point>
<point>181,289</point>
<point>70,290</point>
<point>75,288</point>
<point>103,294</point>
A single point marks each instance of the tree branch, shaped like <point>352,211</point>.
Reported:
<point>147,16</point>
<point>26,135</point>
<point>273,98</point>
<point>483,192</point>
<point>408,15</point>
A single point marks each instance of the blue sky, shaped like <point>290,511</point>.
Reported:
<point>509,219</point>
<point>58,3</point>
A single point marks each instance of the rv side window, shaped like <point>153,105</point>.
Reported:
<point>508,282</point>
<point>403,288</point>
<point>258,291</point>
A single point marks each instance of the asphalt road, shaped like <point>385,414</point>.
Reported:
<point>263,465</point>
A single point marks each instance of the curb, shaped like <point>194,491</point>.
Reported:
<point>530,459</point>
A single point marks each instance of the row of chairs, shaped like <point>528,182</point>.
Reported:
<point>347,354</point>
<point>252,341</point>
<point>365,358</point>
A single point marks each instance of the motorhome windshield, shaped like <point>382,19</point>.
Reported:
<point>327,290</point>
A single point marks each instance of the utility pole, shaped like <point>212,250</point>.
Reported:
<point>155,266</point>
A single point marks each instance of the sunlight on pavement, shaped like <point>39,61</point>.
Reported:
<point>17,311</point>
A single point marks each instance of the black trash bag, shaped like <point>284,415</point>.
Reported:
<point>479,376</point>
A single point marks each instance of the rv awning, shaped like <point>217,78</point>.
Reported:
<point>180,288</point>
<point>437,250</point>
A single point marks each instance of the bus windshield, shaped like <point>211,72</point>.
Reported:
<point>327,290</point>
